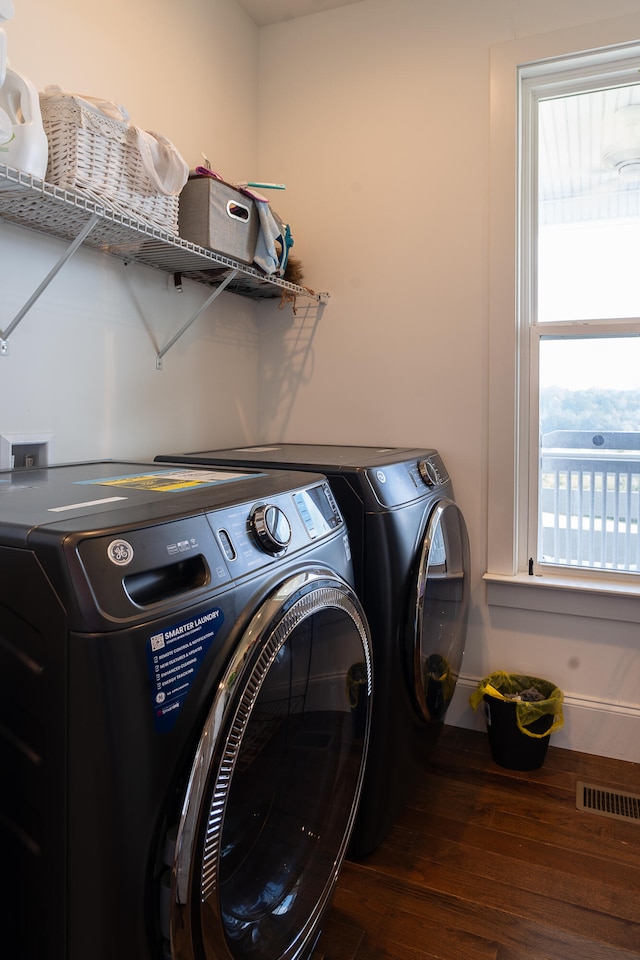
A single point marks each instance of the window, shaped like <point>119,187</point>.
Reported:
<point>579,317</point>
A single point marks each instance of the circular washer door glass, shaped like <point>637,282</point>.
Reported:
<point>440,611</point>
<point>281,759</point>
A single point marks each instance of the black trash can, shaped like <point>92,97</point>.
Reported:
<point>519,729</point>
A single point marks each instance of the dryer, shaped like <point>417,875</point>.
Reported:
<point>185,690</point>
<point>411,562</point>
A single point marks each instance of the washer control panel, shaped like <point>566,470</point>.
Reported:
<point>252,535</point>
<point>318,510</point>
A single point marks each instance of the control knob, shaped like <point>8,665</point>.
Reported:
<point>270,528</point>
<point>429,472</point>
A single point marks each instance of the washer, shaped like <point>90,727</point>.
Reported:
<point>185,691</point>
<point>411,561</point>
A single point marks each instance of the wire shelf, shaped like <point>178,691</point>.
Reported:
<point>64,214</point>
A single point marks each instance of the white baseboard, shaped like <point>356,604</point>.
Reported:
<point>590,726</point>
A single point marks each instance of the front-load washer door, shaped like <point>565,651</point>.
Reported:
<point>276,779</point>
<point>439,611</point>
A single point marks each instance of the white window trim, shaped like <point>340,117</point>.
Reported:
<point>507,582</point>
<point>537,82</point>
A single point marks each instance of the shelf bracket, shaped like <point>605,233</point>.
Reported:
<point>71,249</point>
<point>216,293</point>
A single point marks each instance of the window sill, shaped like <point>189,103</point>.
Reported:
<point>601,599</point>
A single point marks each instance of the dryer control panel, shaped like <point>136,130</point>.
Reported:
<point>432,471</point>
<point>396,484</point>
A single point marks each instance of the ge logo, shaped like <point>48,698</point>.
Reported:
<point>381,477</point>
<point>120,552</point>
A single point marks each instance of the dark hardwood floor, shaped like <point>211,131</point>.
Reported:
<point>494,864</point>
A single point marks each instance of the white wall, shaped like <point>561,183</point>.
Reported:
<point>81,364</point>
<point>384,144</point>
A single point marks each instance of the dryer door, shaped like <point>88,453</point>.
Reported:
<point>276,779</point>
<point>440,611</point>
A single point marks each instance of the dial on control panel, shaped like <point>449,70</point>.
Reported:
<point>429,473</point>
<point>270,528</point>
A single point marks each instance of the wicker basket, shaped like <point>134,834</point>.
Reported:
<point>99,156</point>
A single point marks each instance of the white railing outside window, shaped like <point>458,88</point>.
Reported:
<point>589,499</point>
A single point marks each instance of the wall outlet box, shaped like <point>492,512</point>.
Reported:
<point>25,450</point>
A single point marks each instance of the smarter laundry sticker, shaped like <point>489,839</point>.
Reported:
<point>174,656</point>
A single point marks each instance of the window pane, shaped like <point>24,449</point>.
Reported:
<point>589,481</point>
<point>589,205</point>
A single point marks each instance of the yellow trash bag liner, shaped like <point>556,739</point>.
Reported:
<point>510,687</point>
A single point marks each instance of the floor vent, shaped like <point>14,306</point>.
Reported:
<point>618,805</point>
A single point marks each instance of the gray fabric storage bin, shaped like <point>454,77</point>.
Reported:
<point>215,215</point>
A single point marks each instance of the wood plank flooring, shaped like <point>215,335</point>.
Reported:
<point>494,864</point>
